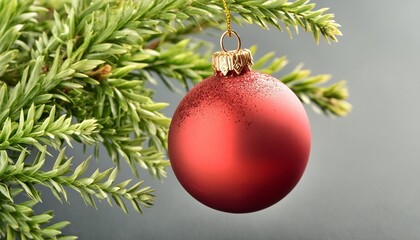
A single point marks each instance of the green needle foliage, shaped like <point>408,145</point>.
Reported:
<point>77,71</point>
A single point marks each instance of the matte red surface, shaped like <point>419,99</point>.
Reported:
<point>239,143</point>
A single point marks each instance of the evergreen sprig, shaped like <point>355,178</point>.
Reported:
<point>30,130</point>
<point>98,184</point>
<point>186,16</point>
<point>295,14</point>
<point>18,221</point>
<point>78,71</point>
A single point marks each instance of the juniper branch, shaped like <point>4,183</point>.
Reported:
<point>294,14</point>
<point>99,184</point>
<point>17,220</point>
<point>281,14</point>
<point>32,130</point>
<point>178,61</point>
<point>79,68</point>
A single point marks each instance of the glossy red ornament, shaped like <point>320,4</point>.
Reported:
<point>239,143</point>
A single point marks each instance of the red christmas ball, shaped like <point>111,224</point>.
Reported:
<point>239,143</point>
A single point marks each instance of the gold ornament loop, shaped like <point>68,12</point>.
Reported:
<point>237,38</point>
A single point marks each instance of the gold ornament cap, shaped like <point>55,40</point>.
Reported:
<point>235,60</point>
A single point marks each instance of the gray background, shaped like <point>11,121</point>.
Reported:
<point>362,181</point>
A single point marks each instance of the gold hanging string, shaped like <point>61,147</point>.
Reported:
<point>228,18</point>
